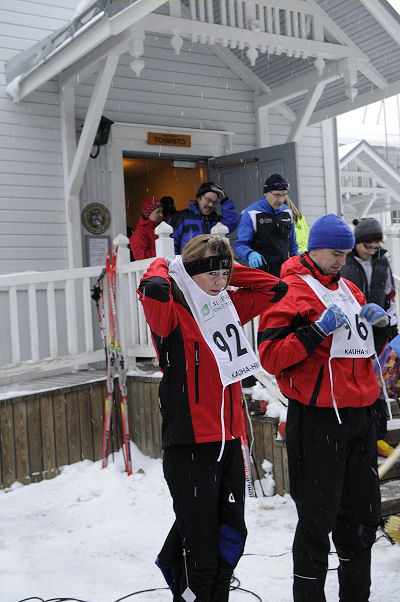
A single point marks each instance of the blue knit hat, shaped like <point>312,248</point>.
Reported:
<point>330,232</point>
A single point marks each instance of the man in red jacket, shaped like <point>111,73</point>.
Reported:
<point>318,341</point>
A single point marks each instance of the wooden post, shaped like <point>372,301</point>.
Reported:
<point>164,242</point>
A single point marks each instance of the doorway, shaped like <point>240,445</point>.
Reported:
<point>147,177</point>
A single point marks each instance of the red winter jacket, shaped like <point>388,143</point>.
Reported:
<point>297,353</point>
<point>143,240</point>
<point>191,389</point>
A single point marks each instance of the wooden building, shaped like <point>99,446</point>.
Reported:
<point>196,89</point>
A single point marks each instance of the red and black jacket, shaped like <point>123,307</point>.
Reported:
<point>293,349</point>
<point>191,389</point>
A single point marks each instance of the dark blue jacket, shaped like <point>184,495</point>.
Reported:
<point>191,222</point>
<point>268,231</point>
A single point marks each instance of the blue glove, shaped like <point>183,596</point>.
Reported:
<point>255,259</point>
<point>374,314</point>
<point>332,319</point>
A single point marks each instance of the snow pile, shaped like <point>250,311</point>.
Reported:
<point>274,406</point>
<point>93,534</point>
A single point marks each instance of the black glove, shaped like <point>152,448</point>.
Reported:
<point>220,192</point>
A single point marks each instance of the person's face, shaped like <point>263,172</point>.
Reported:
<point>212,282</point>
<point>329,260</point>
<point>365,250</point>
<point>156,215</point>
<point>276,198</point>
<point>208,202</point>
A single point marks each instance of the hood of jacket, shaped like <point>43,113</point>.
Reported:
<point>147,223</point>
<point>303,264</point>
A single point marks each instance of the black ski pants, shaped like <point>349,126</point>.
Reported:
<point>209,531</point>
<point>379,409</point>
<point>334,483</point>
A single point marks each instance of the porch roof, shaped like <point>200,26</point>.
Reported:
<point>311,59</point>
<point>384,192</point>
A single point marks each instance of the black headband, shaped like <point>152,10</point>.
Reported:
<point>208,264</point>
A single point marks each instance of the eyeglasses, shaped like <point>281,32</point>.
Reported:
<point>212,201</point>
<point>278,195</point>
<point>370,247</point>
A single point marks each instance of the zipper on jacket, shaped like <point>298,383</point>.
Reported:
<point>196,370</point>
<point>231,402</point>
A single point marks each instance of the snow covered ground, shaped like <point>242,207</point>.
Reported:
<point>92,535</point>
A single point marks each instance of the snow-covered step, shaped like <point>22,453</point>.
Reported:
<point>390,495</point>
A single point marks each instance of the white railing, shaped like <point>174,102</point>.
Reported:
<point>392,243</point>
<point>292,19</point>
<point>49,321</point>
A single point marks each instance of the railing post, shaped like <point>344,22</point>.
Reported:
<point>123,300</point>
<point>220,230</point>
<point>164,242</point>
<point>393,244</point>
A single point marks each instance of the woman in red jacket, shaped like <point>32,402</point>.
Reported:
<point>205,477</point>
<point>143,240</point>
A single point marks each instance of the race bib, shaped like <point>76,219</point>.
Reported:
<point>220,326</point>
<point>355,340</point>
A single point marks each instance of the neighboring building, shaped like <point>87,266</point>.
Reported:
<point>201,89</point>
<point>370,185</point>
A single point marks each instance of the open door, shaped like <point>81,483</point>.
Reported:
<point>242,175</point>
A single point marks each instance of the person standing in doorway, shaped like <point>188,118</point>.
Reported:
<point>202,214</point>
<point>300,226</point>
<point>367,266</point>
<point>143,240</point>
<point>266,235</point>
<point>168,205</point>
<point>196,328</point>
<point>318,342</point>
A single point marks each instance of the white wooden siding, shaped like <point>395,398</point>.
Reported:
<point>194,89</point>
<point>310,166</point>
<point>32,215</point>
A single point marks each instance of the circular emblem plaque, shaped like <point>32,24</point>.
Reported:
<point>96,218</point>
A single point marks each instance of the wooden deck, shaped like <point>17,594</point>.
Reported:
<point>51,422</point>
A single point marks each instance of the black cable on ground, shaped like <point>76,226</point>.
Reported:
<point>143,591</point>
<point>234,586</point>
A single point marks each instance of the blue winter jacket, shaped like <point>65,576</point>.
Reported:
<point>268,231</point>
<point>191,222</point>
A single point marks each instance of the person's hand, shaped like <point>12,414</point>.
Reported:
<point>332,319</point>
<point>375,315</point>
<point>255,259</point>
<point>220,192</point>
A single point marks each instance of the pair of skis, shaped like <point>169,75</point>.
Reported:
<point>114,358</point>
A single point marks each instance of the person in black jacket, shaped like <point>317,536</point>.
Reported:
<point>367,266</point>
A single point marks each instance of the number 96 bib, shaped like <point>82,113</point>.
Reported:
<point>356,340</point>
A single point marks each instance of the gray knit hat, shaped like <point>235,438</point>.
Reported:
<point>367,229</point>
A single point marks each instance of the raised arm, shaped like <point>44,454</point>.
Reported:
<point>257,290</point>
<point>155,295</point>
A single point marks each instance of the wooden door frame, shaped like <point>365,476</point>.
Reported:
<point>131,137</point>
